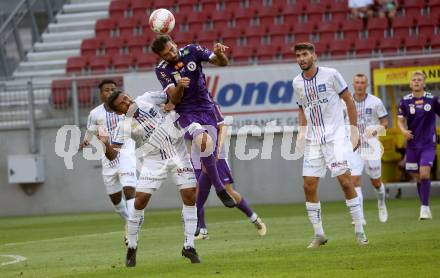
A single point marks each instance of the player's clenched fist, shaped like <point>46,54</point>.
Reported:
<point>219,48</point>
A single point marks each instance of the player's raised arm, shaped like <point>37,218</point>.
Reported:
<point>219,58</point>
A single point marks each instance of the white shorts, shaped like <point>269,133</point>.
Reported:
<point>317,158</point>
<point>118,175</point>
<point>357,163</point>
<point>155,171</point>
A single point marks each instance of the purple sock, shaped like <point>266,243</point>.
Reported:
<point>202,196</point>
<point>418,191</point>
<point>211,169</point>
<point>425,186</point>
<point>244,207</point>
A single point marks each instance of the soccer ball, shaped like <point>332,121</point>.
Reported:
<point>161,21</point>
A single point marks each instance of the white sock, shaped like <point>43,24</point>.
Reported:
<point>121,208</point>
<point>361,199</point>
<point>356,214</point>
<point>253,217</point>
<point>314,213</point>
<point>130,206</point>
<point>134,226</point>
<point>189,215</point>
<point>381,194</point>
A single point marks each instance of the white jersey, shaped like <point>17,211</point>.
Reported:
<point>319,98</point>
<point>104,122</point>
<point>147,124</point>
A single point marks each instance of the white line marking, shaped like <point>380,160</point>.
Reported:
<point>16,259</point>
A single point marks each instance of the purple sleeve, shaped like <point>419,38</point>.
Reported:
<point>437,105</point>
<point>202,53</point>
<point>401,111</point>
<point>164,78</point>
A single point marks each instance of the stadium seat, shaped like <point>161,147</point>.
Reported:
<point>104,27</point>
<point>141,8</point>
<point>315,12</point>
<point>434,42</point>
<point>327,31</point>
<point>91,47</point>
<point>100,64</point>
<point>60,97</point>
<point>208,38</point>
<point>242,54</point>
<point>138,45</point>
<point>132,26</point>
<point>365,47</point>
<point>413,7</point>
<point>303,31</point>
<point>123,62</point>
<point>415,44</point>
<point>377,27</point>
<point>267,52</point>
<point>114,46</point>
<point>76,64</point>
<point>85,92</point>
<point>340,48</point>
<point>391,45</point>
<point>146,61</point>
<point>402,26</point>
<point>119,8</point>
<point>427,25</point>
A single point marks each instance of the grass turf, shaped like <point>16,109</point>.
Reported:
<point>90,245</point>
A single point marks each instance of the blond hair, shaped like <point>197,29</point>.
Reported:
<point>418,72</point>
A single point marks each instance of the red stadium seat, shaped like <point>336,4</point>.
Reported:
<point>428,25</point>
<point>100,64</point>
<point>327,31</point>
<point>208,37</point>
<point>267,52</point>
<point>303,31</point>
<point>141,8</point>
<point>341,47</point>
<point>114,46</point>
<point>76,64</point>
<point>435,42</point>
<point>413,7</point>
<point>138,45</point>
<point>119,8</point>
<point>61,89</point>
<point>91,47</point>
<point>242,54</point>
<point>146,61</point>
<point>315,12</point>
<point>377,27</point>
<point>352,28</point>
<point>123,62</point>
<point>85,92</point>
<point>104,27</point>
<point>391,45</point>
<point>402,26</point>
<point>365,46</point>
<point>132,26</point>
<point>415,44</point>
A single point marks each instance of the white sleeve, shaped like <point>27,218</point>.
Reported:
<point>155,97</point>
<point>381,110</point>
<point>296,94</point>
<point>92,127</point>
<point>339,83</point>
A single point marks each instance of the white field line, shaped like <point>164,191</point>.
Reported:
<point>15,259</point>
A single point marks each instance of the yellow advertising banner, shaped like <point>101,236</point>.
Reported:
<point>401,76</point>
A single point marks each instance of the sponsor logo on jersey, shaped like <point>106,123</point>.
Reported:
<point>179,65</point>
<point>420,101</point>
<point>191,66</point>
<point>321,88</point>
<point>368,111</point>
<point>339,164</point>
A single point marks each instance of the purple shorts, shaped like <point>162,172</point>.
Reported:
<point>417,157</point>
<point>195,122</point>
<point>224,172</point>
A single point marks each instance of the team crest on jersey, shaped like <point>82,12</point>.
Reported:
<point>368,111</point>
<point>191,66</point>
<point>427,107</point>
<point>321,88</point>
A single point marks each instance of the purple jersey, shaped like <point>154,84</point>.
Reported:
<point>196,97</point>
<point>420,118</point>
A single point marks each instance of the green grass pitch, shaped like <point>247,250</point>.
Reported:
<point>90,245</point>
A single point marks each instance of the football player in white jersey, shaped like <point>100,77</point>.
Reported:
<point>119,175</point>
<point>163,152</point>
<point>372,121</point>
<point>318,91</point>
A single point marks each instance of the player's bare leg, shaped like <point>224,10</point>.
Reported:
<point>354,206</point>
<point>189,215</point>
<point>205,145</point>
<point>380,193</point>
<point>134,225</point>
<point>244,207</point>
<point>313,207</point>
